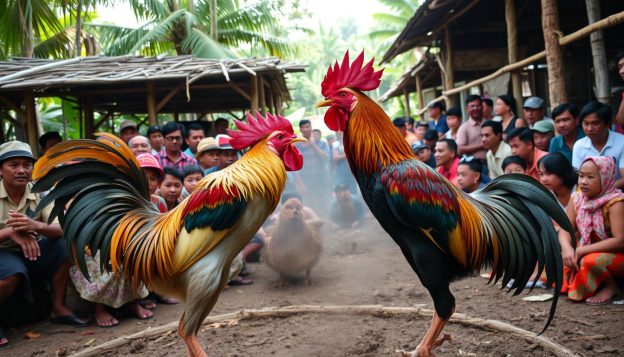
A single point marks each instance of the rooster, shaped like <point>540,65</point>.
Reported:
<point>187,251</point>
<point>443,233</point>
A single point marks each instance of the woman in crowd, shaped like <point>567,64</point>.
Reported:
<point>514,165</point>
<point>454,121</point>
<point>557,174</point>
<point>504,108</point>
<point>591,270</point>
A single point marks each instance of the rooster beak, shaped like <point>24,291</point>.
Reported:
<point>324,103</point>
<point>298,139</point>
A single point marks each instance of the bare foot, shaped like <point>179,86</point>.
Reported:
<point>139,312</point>
<point>103,318</point>
<point>608,290</point>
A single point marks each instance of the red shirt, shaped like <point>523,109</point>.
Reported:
<point>451,175</point>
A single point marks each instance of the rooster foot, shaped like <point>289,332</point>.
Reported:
<point>425,351</point>
<point>307,280</point>
<point>280,283</point>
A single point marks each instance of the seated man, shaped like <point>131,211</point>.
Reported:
<point>347,210</point>
<point>423,153</point>
<point>469,174</point>
<point>29,247</point>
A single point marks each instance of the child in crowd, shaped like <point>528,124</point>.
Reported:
<point>192,175</point>
<point>171,187</point>
<point>469,174</point>
<point>557,174</point>
<point>514,165</point>
<point>151,166</point>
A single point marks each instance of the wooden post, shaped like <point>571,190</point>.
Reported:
<point>254,95</point>
<point>262,99</point>
<point>601,73</point>
<point>512,51</point>
<point>449,80</point>
<point>271,100</point>
<point>554,54</point>
<point>89,117</point>
<point>406,102</point>
<point>31,122</point>
<point>151,103</point>
<point>419,92</point>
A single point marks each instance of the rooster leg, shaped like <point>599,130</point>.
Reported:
<point>192,342</point>
<point>430,341</point>
<point>307,279</point>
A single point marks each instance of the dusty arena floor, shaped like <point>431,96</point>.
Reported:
<point>357,268</point>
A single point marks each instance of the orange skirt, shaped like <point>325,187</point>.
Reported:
<point>594,269</point>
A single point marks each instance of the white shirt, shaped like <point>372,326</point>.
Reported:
<point>584,148</point>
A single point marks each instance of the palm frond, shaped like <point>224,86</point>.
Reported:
<point>202,45</point>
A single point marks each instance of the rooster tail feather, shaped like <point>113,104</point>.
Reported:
<point>93,186</point>
<point>517,212</point>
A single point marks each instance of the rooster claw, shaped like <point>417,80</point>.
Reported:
<point>425,351</point>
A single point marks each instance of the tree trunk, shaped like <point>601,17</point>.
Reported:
<point>449,81</point>
<point>554,54</point>
<point>213,20</point>
<point>28,40</point>
<point>78,46</point>
<point>601,73</point>
<point>512,51</point>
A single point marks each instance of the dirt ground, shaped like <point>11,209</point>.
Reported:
<point>357,268</point>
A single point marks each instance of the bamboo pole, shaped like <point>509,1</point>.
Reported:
<point>32,132</point>
<point>373,310</point>
<point>151,103</point>
<point>254,95</point>
<point>599,54</point>
<point>554,54</point>
<point>512,51</point>
<point>421,95</point>
<point>407,103</point>
<point>449,78</point>
<point>261,99</point>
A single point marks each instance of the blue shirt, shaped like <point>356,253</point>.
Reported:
<point>584,148</point>
<point>440,126</point>
<point>558,144</point>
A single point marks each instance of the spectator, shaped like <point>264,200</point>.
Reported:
<point>127,130</point>
<point>48,140</point>
<point>533,109</point>
<point>423,153</point>
<point>314,174</point>
<point>342,173</point>
<point>437,120</point>
<point>318,136</point>
<point>557,174</point>
<point>521,143</point>
<point>431,138</point>
<point>192,175</point>
<point>566,122</point>
<point>469,174</point>
<point>619,118</point>
<point>599,141</point>
<point>409,123</point>
<point>399,123</point>
<point>330,139</point>
<point>543,132</point>
<point>488,109</point>
<point>454,121</point>
<point>156,139</point>
<point>207,154</point>
<point>172,155</point>
<point>30,248</point>
<point>498,150</point>
<point>227,154</point>
<point>505,106</point>
<point>469,133</point>
<point>347,210</point>
<point>194,134</point>
<point>446,159</point>
<point>139,145</point>
<point>514,165</point>
<point>221,125</point>
<point>419,133</point>
<point>155,174</point>
<point>171,187</point>
<point>590,271</point>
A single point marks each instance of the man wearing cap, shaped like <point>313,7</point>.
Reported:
<point>207,154</point>
<point>172,155</point>
<point>156,139</point>
<point>127,130</point>
<point>543,132</point>
<point>533,109</point>
<point>437,119</point>
<point>423,153</point>
<point>48,140</point>
<point>566,122</point>
<point>29,247</point>
<point>227,154</point>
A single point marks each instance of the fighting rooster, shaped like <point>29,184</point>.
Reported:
<point>187,251</point>
<point>443,233</point>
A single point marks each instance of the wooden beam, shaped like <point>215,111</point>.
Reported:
<point>449,80</point>
<point>101,121</point>
<point>512,51</point>
<point>261,99</point>
<point>151,103</point>
<point>254,95</point>
<point>168,97</point>
<point>554,54</point>
<point>240,91</point>
<point>599,54</point>
<point>32,132</point>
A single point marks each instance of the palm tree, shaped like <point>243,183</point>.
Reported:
<point>204,28</point>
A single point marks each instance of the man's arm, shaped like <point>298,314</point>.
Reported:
<point>619,117</point>
<point>469,149</point>
<point>26,241</point>
<point>21,223</point>
<point>620,183</point>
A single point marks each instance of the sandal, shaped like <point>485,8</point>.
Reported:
<point>3,335</point>
<point>240,281</point>
<point>70,319</point>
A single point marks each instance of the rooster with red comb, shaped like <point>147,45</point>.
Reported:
<point>444,233</point>
<point>187,251</point>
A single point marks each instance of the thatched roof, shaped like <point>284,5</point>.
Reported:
<point>119,83</point>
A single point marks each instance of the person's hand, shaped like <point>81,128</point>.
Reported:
<point>22,223</point>
<point>28,243</point>
<point>569,258</point>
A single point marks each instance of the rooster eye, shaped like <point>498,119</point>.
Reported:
<point>280,137</point>
<point>343,94</point>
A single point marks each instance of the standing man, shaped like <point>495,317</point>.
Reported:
<point>469,133</point>
<point>220,126</point>
<point>521,143</point>
<point>156,140</point>
<point>194,134</point>
<point>600,140</point>
<point>533,110</point>
<point>437,119</point>
<point>29,247</point>
<point>48,140</point>
<point>314,174</point>
<point>173,155</point>
<point>566,122</point>
<point>498,150</point>
<point>127,130</point>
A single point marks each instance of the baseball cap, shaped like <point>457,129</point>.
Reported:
<point>127,124</point>
<point>398,122</point>
<point>206,144</point>
<point>153,129</point>
<point>534,103</point>
<point>147,160</point>
<point>223,141</point>
<point>419,146</point>
<point>15,149</point>
<point>544,126</point>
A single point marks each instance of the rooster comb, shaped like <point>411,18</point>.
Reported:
<point>256,129</point>
<point>352,75</point>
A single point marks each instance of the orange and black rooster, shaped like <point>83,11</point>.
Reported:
<point>187,251</point>
<point>443,233</point>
